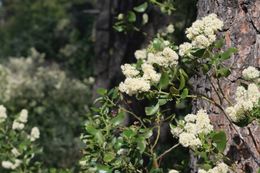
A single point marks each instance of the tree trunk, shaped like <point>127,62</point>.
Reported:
<point>112,48</point>
<point>241,30</point>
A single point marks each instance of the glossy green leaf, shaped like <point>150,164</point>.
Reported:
<point>101,91</point>
<point>157,44</point>
<point>227,54</point>
<point>141,144</point>
<point>198,53</point>
<point>131,16</point>
<point>109,156</point>
<point>119,119</point>
<point>162,102</point>
<point>164,81</point>
<point>141,8</point>
<point>184,93</point>
<point>152,109</point>
<point>220,139</point>
<point>182,81</point>
<point>129,133</point>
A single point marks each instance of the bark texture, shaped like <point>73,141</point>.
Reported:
<point>241,30</point>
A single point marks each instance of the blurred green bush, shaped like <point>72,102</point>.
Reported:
<point>56,103</point>
<point>59,28</point>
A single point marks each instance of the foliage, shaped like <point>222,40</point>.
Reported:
<point>160,76</point>
<point>18,148</point>
<point>59,28</point>
<point>55,101</point>
<point>137,17</point>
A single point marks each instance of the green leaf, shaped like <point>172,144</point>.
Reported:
<point>119,119</point>
<point>119,28</point>
<point>258,170</point>
<point>164,81</point>
<point>131,16</point>
<point>152,109</point>
<point>94,132</point>
<point>147,134</point>
<point>109,156</point>
<point>129,133</point>
<point>223,72</point>
<point>141,8</point>
<point>198,52</point>
<point>101,91</point>
<point>182,81</point>
<point>141,144</point>
<point>174,91</point>
<point>103,169</point>
<point>184,93</point>
<point>220,139</point>
<point>205,68</point>
<point>162,102</point>
<point>227,54</point>
<point>219,43</point>
<point>157,44</point>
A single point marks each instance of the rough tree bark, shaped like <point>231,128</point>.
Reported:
<point>241,30</point>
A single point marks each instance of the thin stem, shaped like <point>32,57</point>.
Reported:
<point>167,151</point>
<point>134,115</point>
<point>157,136</point>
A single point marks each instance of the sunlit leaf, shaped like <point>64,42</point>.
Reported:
<point>141,8</point>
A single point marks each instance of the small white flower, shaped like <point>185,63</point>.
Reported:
<point>83,162</point>
<point>3,115</point>
<point>15,152</point>
<point>17,163</point>
<point>17,126</point>
<point>185,49</point>
<point>120,16</point>
<point>189,140</point>
<point>140,54</point>
<point>35,133</point>
<point>173,171</point>
<point>170,29</point>
<point>190,118</point>
<point>129,70</point>
<point>91,80</point>
<point>150,73</point>
<point>250,73</point>
<point>7,165</point>
<point>145,18</point>
<point>23,116</point>
<point>133,86</point>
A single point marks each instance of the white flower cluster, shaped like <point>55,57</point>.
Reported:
<point>188,130</point>
<point>220,168</point>
<point>18,124</point>
<point>129,71</point>
<point>250,73</point>
<point>3,115</point>
<point>138,81</point>
<point>173,171</point>
<point>246,100</point>
<point>166,58</point>
<point>35,134</point>
<point>201,33</point>
<point>11,165</point>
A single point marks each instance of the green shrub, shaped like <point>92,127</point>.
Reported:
<point>59,28</point>
<point>55,101</point>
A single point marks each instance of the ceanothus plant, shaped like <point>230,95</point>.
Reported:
<point>17,141</point>
<point>161,77</point>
